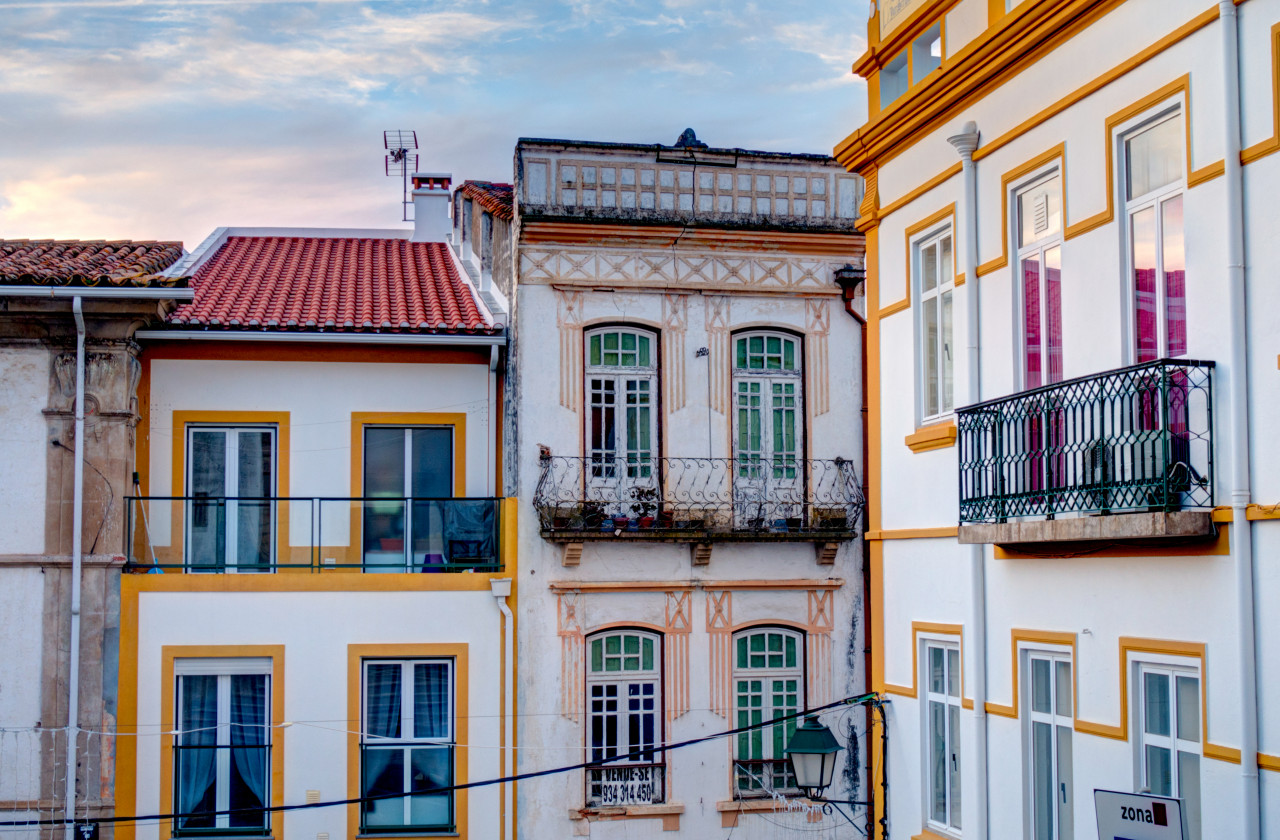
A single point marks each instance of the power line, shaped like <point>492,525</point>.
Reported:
<point>518,777</point>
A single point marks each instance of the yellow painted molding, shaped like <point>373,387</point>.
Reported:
<point>1272,143</point>
<point>356,654</point>
<point>168,653</point>
<point>937,436</point>
<point>913,533</point>
<point>918,627</point>
<point>1022,171</point>
<point>1269,762</point>
<point>926,834</point>
<point>323,582</point>
<point>1256,513</point>
<point>937,180</point>
<point>1018,637</point>
<point>912,231</point>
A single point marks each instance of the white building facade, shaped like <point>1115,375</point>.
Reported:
<point>688,462</point>
<point>1072,365</point>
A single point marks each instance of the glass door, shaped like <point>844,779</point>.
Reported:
<point>230,510</point>
<point>408,480</point>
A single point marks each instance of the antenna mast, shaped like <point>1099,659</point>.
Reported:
<point>402,160</point>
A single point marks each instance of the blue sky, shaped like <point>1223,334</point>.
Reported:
<point>162,120</point>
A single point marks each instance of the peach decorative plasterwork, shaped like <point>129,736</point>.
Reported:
<point>716,308</point>
<point>817,331</point>
<point>720,632</point>
<point>818,666</point>
<point>679,624</point>
<point>569,324</point>
<point>569,629</point>
<point>675,324</point>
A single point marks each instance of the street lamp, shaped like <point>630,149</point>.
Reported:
<point>812,751</point>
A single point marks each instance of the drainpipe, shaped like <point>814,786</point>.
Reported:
<point>501,589</point>
<point>1241,492</point>
<point>965,143</point>
<point>77,523</point>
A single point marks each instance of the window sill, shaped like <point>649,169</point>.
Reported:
<point>669,813</point>
<point>936,436</point>
<point>926,834</point>
<point>398,835</point>
<point>731,809</point>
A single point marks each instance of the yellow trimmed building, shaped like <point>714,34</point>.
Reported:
<point>1072,366</point>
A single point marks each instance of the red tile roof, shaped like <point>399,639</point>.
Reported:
<point>86,263</point>
<point>496,198</point>
<point>332,284</point>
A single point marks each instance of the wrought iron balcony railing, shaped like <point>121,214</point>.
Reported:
<point>223,534</point>
<point>1135,439</point>
<point>698,498</point>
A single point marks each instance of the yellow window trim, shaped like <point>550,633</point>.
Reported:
<point>937,436</point>
<point>168,653</point>
<point>173,553</point>
<point>918,627</point>
<point>911,233</point>
<point>1272,143</point>
<point>356,654</point>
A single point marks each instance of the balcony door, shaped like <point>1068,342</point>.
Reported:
<point>408,480</point>
<point>622,386</point>
<point>768,484</point>
<point>230,512</point>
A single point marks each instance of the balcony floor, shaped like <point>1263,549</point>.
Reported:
<point>1181,525</point>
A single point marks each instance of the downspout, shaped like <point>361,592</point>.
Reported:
<point>501,589</point>
<point>1241,491</point>
<point>965,143</point>
<point>77,523</point>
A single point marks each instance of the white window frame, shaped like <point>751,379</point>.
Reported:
<point>1169,110</point>
<point>1173,668</point>
<point>767,675</point>
<point>1038,248</point>
<point>223,669</point>
<point>407,740</point>
<point>630,463</point>
<point>781,466</point>
<point>1062,822</point>
<point>622,682</point>
<point>953,706</point>
<point>933,298</point>
<point>231,468</point>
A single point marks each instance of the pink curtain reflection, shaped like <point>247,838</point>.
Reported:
<point>1031,309</point>
<point>1144,284</point>
<point>1053,311</point>
<point>1175,275</point>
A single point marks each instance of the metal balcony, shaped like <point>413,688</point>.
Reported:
<point>313,534</point>
<point>698,499</point>
<point>1136,439</point>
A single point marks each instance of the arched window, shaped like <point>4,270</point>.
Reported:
<point>768,424</point>
<point>624,717</point>
<point>768,682</point>
<point>622,405</point>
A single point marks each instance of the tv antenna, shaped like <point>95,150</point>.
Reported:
<point>402,160</point>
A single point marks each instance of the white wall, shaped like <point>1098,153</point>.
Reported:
<point>25,373</point>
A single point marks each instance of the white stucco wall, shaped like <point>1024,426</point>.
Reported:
<point>1102,597</point>
<point>24,393</point>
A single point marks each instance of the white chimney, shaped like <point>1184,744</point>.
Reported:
<point>431,206</point>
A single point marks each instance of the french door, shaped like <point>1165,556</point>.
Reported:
<point>408,480</point>
<point>230,510</point>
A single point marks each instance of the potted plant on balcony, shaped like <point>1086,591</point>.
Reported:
<point>645,505</point>
<point>830,519</point>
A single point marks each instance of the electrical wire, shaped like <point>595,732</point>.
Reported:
<point>518,777</point>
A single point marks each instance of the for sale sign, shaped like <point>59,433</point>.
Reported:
<point>1138,816</point>
<point>627,785</point>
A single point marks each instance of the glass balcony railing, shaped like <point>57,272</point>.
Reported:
<point>274,534</point>
<point>1135,439</point>
<point>697,499</point>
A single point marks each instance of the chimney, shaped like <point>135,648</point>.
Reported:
<point>431,206</point>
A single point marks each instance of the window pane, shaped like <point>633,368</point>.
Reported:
<point>431,460</point>
<point>384,462</point>
<point>929,267</point>
<point>1052,334</point>
<point>936,670</point>
<point>382,700</point>
<point>1155,157</point>
<point>953,672</point>
<point>1063,688</point>
<point>1156,703</point>
<point>597,655</point>
<point>1142,231</point>
<point>644,351</point>
<point>946,261</point>
<point>208,484</point>
<point>383,773</point>
<point>647,658</point>
<point>953,739</point>
<point>431,700</point>
<point>1041,699</point>
<point>1188,708</point>
<point>1175,275</point>
<point>1158,771</point>
<point>930,352</point>
<point>594,356</point>
<point>1065,794</point>
<point>938,760</point>
<point>742,353</point>
<point>947,362</point>
<point>791,652</point>
<point>1042,782</point>
<point>430,769</point>
<point>789,355</point>
<point>1031,320</point>
<point>1189,789</point>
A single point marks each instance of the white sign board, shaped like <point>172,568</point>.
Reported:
<point>627,785</point>
<point>1138,816</point>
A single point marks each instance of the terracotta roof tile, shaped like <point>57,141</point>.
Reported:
<point>332,284</point>
<point>496,198</point>
<point>76,262</point>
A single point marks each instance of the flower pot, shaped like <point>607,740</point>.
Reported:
<point>646,522</point>
<point>620,523</point>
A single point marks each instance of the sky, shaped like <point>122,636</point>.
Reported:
<point>141,119</point>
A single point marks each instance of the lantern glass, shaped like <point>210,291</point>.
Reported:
<point>813,751</point>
